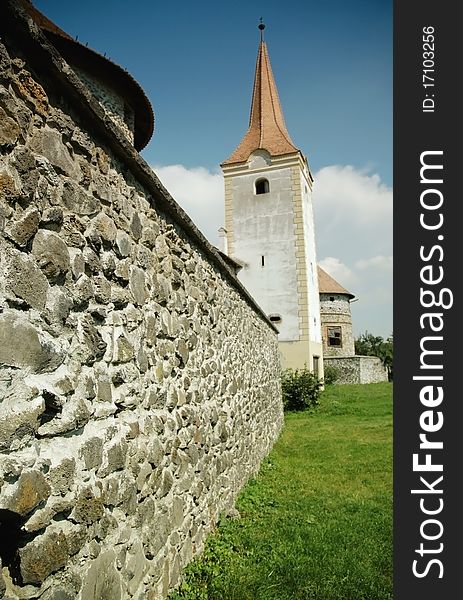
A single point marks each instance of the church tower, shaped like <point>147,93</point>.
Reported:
<point>269,223</point>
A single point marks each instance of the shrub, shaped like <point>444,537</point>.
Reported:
<point>301,389</point>
<point>331,375</point>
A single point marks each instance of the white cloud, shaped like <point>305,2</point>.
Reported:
<point>353,222</point>
<point>338,270</point>
<point>345,193</point>
<point>353,213</point>
<point>383,263</point>
<point>199,192</point>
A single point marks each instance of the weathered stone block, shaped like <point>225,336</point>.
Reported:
<point>123,350</point>
<point>32,92</point>
<point>102,580</point>
<point>72,231</point>
<point>136,566</point>
<point>161,246</point>
<point>52,216</point>
<point>137,285</point>
<point>102,160</point>
<point>146,259</point>
<point>88,507</point>
<point>30,489</point>
<point>49,143</point>
<point>122,270</point>
<point>51,253</point>
<point>148,236</point>
<point>166,483</point>
<point>91,452</point>
<point>58,593</point>
<point>22,229</point>
<point>161,289</point>
<point>155,451</point>
<point>58,305</point>
<point>123,244</point>
<point>100,187</point>
<point>19,413</point>
<point>61,474</point>
<point>104,389</point>
<point>78,201</point>
<point>150,332</point>
<point>102,290</point>
<point>114,457</point>
<point>183,351</point>
<point>136,226</point>
<point>23,278</point>
<point>103,227</point>
<point>119,296</point>
<point>44,555</point>
<point>9,129</point>
<point>145,470</point>
<point>23,160</point>
<point>83,290</point>
<point>108,263</point>
<point>91,260</point>
<point>9,188</point>
<point>21,345</point>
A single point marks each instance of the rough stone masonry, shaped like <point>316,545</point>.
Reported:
<point>139,383</point>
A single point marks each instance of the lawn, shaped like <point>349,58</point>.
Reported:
<point>316,523</point>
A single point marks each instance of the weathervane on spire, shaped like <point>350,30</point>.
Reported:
<point>261,27</point>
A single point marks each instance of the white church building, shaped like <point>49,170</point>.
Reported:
<point>269,226</point>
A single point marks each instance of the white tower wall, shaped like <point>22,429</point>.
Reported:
<point>272,236</point>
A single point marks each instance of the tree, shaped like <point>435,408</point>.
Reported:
<point>368,344</point>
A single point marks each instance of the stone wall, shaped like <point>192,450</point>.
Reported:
<point>358,369</point>
<point>139,383</point>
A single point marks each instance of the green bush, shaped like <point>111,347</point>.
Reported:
<point>301,389</point>
<point>331,375</point>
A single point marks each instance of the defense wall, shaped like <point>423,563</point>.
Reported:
<point>357,369</point>
<point>139,382</point>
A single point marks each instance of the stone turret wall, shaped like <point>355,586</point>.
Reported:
<point>139,383</point>
<point>335,312</point>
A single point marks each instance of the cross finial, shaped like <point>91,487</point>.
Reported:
<point>261,27</point>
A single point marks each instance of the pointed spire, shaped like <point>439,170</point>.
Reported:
<point>267,129</point>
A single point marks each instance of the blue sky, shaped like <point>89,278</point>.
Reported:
<point>332,62</point>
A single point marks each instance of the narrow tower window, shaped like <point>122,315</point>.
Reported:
<point>262,261</point>
<point>262,186</point>
<point>275,318</point>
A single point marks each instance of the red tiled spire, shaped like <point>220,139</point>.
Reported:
<point>267,129</point>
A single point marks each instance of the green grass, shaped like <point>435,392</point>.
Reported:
<point>316,523</point>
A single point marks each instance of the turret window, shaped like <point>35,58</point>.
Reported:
<point>334,336</point>
<point>262,186</point>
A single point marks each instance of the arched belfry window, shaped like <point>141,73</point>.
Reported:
<point>262,186</point>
